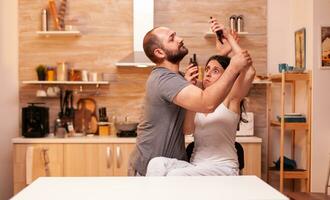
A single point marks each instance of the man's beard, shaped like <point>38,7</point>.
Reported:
<point>176,56</point>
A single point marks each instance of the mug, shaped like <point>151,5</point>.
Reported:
<point>282,67</point>
<point>41,93</point>
<point>290,68</point>
<point>92,76</point>
<point>84,75</point>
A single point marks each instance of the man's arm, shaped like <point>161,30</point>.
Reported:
<point>189,122</point>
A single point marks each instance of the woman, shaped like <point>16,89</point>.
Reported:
<point>214,133</point>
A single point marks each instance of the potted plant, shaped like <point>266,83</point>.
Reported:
<point>41,72</point>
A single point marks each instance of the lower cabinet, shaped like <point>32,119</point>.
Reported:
<point>91,159</point>
<point>34,160</point>
<point>96,159</point>
<point>252,159</point>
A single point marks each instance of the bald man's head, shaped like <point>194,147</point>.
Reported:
<point>151,42</point>
<point>162,43</point>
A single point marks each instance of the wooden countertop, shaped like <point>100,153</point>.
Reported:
<point>109,139</point>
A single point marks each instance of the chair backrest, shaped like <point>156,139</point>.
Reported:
<point>239,150</point>
<point>240,155</point>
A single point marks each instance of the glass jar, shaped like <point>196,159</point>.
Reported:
<point>62,73</point>
<point>51,73</point>
<point>104,128</point>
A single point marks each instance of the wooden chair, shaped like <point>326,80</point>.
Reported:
<point>239,150</point>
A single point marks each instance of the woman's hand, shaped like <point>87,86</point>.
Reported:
<point>225,48</point>
<point>191,74</point>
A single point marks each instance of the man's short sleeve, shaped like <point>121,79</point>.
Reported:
<point>170,84</point>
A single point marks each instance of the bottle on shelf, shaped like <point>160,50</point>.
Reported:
<point>103,124</point>
<point>62,71</point>
<point>240,24</point>
<point>44,20</point>
<point>233,23</point>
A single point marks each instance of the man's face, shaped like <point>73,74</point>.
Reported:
<point>172,45</point>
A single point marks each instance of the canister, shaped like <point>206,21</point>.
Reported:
<point>240,24</point>
<point>44,20</point>
<point>62,73</point>
<point>232,23</point>
<point>50,73</point>
<point>104,128</point>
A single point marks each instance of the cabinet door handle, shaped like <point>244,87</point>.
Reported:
<point>108,157</point>
<point>118,156</point>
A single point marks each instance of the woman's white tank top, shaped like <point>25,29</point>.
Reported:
<point>215,137</point>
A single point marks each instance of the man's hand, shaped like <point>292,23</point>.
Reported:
<point>191,74</point>
<point>241,60</point>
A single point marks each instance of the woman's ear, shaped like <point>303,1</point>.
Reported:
<point>159,53</point>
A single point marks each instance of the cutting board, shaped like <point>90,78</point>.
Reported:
<point>85,120</point>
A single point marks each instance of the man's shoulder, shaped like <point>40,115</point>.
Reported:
<point>161,72</point>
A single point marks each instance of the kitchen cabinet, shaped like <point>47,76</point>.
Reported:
<point>96,156</point>
<point>96,159</point>
<point>252,159</point>
<point>88,160</point>
<point>121,158</point>
<point>31,161</point>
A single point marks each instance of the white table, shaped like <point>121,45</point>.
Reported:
<point>150,188</point>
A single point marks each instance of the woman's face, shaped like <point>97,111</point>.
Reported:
<point>212,72</point>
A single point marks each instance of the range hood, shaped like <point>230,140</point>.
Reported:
<point>143,21</point>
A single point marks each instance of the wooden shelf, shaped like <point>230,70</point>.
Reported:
<point>290,125</point>
<point>256,81</point>
<point>290,77</point>
<point>283,79</point>
<point>58,33</point>
<point>66,82</point>
<point>210,34</point>
<point>294,174</point>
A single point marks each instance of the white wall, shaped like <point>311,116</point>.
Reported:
<point>278,34</point>
<point>9,125</point>
<point>321,102</point>
<point>284,18</point>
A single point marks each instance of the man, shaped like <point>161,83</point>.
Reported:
<point>168,95</point>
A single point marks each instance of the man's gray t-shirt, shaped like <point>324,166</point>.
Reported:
<point>160,132</point>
